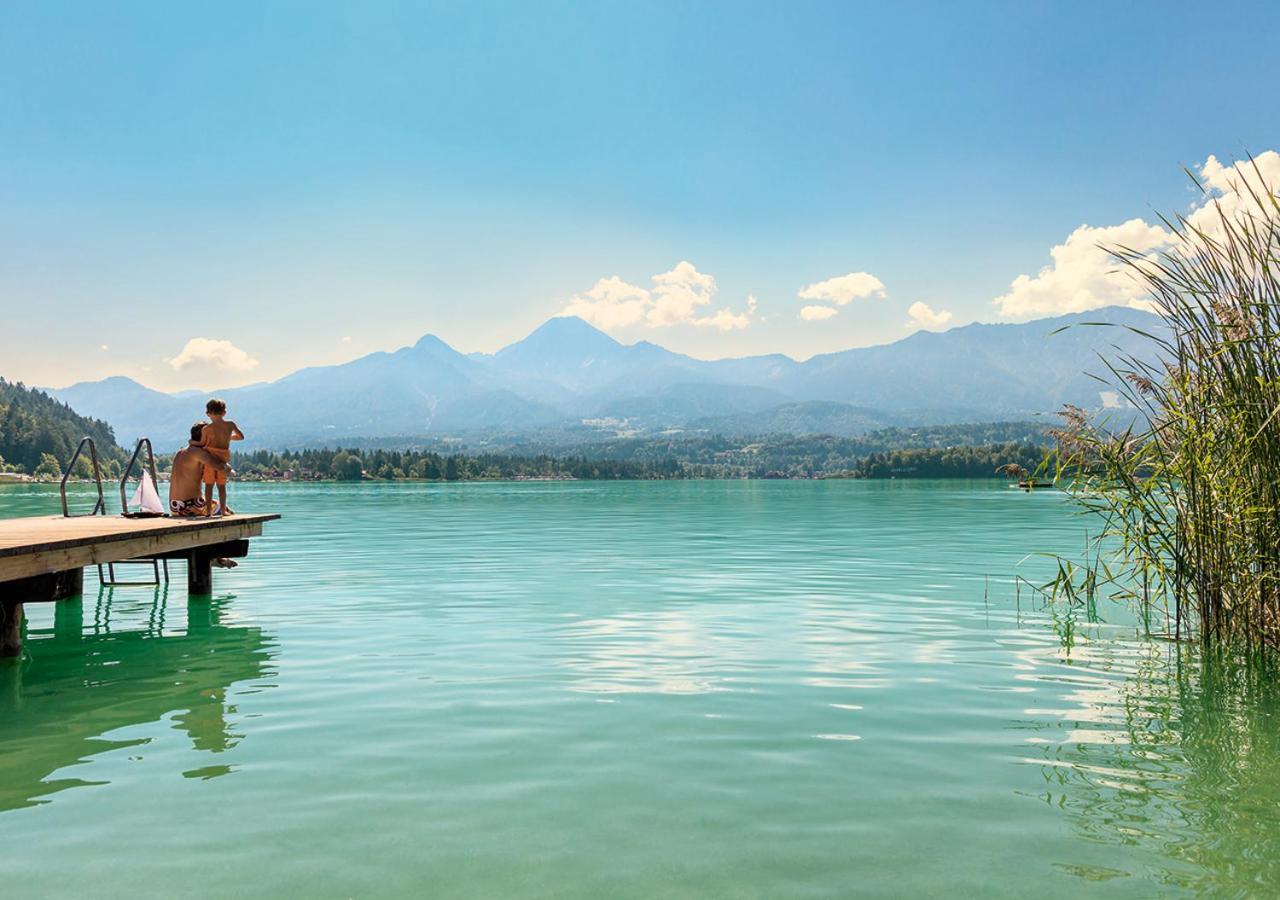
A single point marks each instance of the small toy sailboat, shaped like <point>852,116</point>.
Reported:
<point>146,499</point>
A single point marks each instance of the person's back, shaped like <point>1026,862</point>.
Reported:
<point>219,434</point>
<point>186,474</point>
<point>216,438</point>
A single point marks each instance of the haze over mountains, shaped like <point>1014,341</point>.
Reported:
<point>568,375</point>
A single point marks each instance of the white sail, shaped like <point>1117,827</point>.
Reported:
<point>145,496</point>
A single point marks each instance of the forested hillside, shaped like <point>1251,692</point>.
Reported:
<point>954,451</point>
<point>38,434</point>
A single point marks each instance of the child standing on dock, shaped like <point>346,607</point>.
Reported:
<point>216,438</point>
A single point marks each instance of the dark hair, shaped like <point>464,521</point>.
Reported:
<point>216,407</point>
<point>197,430</point>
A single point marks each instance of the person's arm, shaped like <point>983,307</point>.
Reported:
<point>207,458</point>
<point>204,437</point>
<point>236,433</point>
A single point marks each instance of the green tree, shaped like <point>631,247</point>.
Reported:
<point>452,470</point>
<point>48,467</point>
<point>346,466</point>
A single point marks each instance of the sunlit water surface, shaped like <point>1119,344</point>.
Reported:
<point>748,689</point>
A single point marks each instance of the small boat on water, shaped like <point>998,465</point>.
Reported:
<point>1024,479</point>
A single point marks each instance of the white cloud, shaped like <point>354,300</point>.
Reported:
<point>346,339</point>
<point>1227,185</point>
<point>676,298</point>
<point>923,316</point>
<point>214,354</point>
<point>844,289</point>
<point>611,303</point>
<point>728,320</point>
<point>816,313</point>
<point>1083,275</point>
<point>104,348</point>
<point>678,294</point>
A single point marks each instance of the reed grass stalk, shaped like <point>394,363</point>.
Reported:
<point>1186,481</point>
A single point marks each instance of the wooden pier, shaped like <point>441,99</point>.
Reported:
<point>42,558</point>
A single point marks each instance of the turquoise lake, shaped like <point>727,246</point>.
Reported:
<point>629,689</point>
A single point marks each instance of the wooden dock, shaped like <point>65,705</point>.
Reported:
<point>42,558</point>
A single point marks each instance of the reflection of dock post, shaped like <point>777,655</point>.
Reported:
<point>68,619</point>
<point>201,616</point>
<point>10,629</point>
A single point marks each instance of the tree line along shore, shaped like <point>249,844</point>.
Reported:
<point>791,459</point>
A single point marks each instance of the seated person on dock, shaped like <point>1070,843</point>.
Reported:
<point>186,475</point>
<point>216,438</point>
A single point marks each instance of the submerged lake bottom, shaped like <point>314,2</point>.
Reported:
<point>629,689</point>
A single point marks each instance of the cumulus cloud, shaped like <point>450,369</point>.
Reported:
<point>677,297</point>
<point>844,289</point>
<point>923,316</point>
<point>817,313</point>
<point>727,320</point>
<point>1227,187</point>
<point>1082,274</point>
<point>210,353</point>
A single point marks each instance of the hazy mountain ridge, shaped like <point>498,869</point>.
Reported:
<point>566,372</point>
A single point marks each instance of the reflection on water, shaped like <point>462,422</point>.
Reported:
<point>657,689</point>
<point>1175,751</point>
<point>100,668</point>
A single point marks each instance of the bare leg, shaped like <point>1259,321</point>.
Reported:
<point>208,498</point>
<point>222,500</point>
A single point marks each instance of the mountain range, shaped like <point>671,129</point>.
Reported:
<point>568,375</point>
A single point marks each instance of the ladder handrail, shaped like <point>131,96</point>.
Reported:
<point>101,506</point>
<point>151,467</point>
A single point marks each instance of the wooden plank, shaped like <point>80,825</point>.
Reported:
<point>73,554</point>
<point>23,536</point>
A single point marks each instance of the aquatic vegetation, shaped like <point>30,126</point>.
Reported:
<point>1186,478</point>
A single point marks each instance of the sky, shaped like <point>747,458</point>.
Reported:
<point>207,195</point>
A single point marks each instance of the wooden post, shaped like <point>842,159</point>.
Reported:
<point>36,589</point>
<point>68,583</point>
<point>199,573</point>
<point>10,629</point>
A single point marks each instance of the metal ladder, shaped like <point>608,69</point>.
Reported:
<point>108,577</point>
<point>99,508</point>
<point>158,567</point>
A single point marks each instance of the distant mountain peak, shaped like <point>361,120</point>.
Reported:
<point>571,326</point>
<point>562,337</point>
<point>430,343</point>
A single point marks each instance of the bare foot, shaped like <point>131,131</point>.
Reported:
<point>223,563</point>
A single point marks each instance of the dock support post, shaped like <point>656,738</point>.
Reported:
<point>199,573</point>
<point>10,629</point>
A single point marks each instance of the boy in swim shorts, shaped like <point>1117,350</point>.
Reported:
<point>216,438</point>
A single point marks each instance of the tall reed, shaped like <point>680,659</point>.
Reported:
<point>1187,481</point>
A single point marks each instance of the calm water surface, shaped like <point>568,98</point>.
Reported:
<point>750,689</point>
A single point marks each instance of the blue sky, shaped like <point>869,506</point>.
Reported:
<point>223,193</point>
